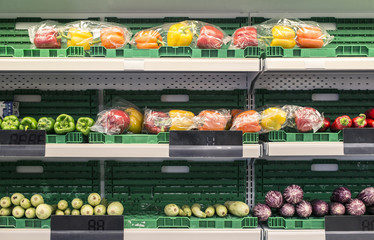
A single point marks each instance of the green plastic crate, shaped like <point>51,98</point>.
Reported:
<point>277,175</point>
<point>53,103</point>
<point>95,137</point>
<point>249,138</point>
<point>12,222</point>
<point>59,180</point>
<point>352,38</point>
<point>283,136</point>
<point>72,137</point>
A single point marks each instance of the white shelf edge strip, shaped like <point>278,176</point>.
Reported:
<point>306,234</point>
<point>339,63</point>
<point>305,148</point>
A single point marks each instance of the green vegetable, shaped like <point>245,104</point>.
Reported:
<point>87,210</point>
<point>186,209</point>
<point>30,213</point>
<point>75,212</point>
<point>18,212</point>
<point>59,212</point>
<point>5,212</point>
<point>171,210</point>
<point>10,123</point>
<point>67,211</point>
<point>100,210</point>
<point>76,203</point>
<point>43,211</point>
<point>46,123</point>
<point>64,124</point>
<point>115,208</point>
<point>220,210</point>
<point>209,211</point>
<point>62,205</point>
<point>25,203</point>
<point>84,124</point>
<point>237,208</point>
<point>28,123</point>
<point>196,210</point>
<point>5,202</point>
<point>16,198</point>
<point>36,200</point>
<point>182,213</point>
<point>94,199</point>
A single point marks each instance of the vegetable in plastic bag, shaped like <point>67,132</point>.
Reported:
<point>156,121</point>
<point>148,39</point>
<point>273,119</point>
<point>212,120</point>
<point>247,121</point>
<point>244,37</point>
<point>181,120</point>
<point>45,35</point>
<point>211,37</point>
<point>308,119</point>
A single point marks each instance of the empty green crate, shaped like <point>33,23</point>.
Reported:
<point>296,223</point>
<point>283,136</point>
<point>129,138</point>
<point>72,137</point>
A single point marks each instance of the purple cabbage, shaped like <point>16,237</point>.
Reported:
<point>367,196</point>
<point>355,207</point>
<point>293,194</point>
<point>262,211</point>
<point>287,210</point>
<point>337,208</point>
<point>320,208</point>
<point>304,209</point>
<point>341,195</point>
<point>274,199</point>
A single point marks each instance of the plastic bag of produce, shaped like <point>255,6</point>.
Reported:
<point>244,37</point>
<point>212,120</point>
<point>45,34</point>
<point>211,37</point>
<point>288,33</point>
<point>274,118</point>
<point>119,117</point>
<point>247,122</point>
<point>307,119</point>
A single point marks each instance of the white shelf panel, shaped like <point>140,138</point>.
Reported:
<point>319,64</point>
<point>125,151</point>
<point>280,234</point>
<point>133,64</point>
<point>148,234</point>
<point>304,149</point>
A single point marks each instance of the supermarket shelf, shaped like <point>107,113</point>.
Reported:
<point>147,234</point>
<point>319,64</point>
<point>133,64</point>
<point>125,150</point>
<point>304,149</point>
<point>281,234</point>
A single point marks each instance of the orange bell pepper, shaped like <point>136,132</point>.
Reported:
<point>309,37</point>
<point>112,37</point>
<point>247,121</point>
<point>148,39</point>
<point>213,120</point>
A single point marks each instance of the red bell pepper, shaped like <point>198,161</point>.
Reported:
<point>340,123</point>
<point>360,121</point>
<point>47,37</point>
<point>370,113</point>
<point>245,37</point>
<point>210,37</point>
<point>370,123</point>
<point>156,122</point>
<point>326,125</point>
<point>308,119</point>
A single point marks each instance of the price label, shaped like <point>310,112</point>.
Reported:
<point>87,227</point>
<point>22,143</point>
<point>206,144</point>
<point>358,140</point>
<point>349,227</point>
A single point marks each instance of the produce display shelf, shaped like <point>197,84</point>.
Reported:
<point>296,223</point>
<point>283,136</point>
<point>284,234</point>
<point>352,38</point>
<point>72,137</point>
<point>307,149</point>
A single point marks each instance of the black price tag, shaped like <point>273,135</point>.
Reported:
<point>349,227</point>
<point>206,144</point>
<point>22,143</point>
<point>87,227</point>
<point>358,140</point>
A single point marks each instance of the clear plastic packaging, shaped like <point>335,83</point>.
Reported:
<point>212,120</point>
<point>307,119</point>
<point>288,33</point>
<point>45,34</point>
<point>247,122</point>
<point>151,38</point>
<point>275,118</point>
<point>211,37</point>
<point>244,37</point>
<point>156,121</point>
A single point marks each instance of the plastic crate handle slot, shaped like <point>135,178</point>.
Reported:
<point>325,97</point>
<point>29,169</point>
<point>27,98</point>
<point>175,98</point>
<point>175,169</point>
<point>325,167</point>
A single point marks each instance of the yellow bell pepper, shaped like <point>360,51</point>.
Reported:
<point>181,120</point>
<point>180,34</point>
<point>136,120</point>
<point>283,37</point>
<point>78,38</point>
<point>273,118</point>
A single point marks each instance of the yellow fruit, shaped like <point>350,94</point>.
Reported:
<point>136,120</point>
<point>273,118</point>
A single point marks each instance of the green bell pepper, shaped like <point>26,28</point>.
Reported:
<point>10,123</point>
<point>46,123</point>
<point>1,120</point>
<point>84,124</point>
<point>28,123</point>
<point>64,124</point>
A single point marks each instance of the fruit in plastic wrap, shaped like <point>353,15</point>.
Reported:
<point>213,120</point>
<point>272,119</point>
